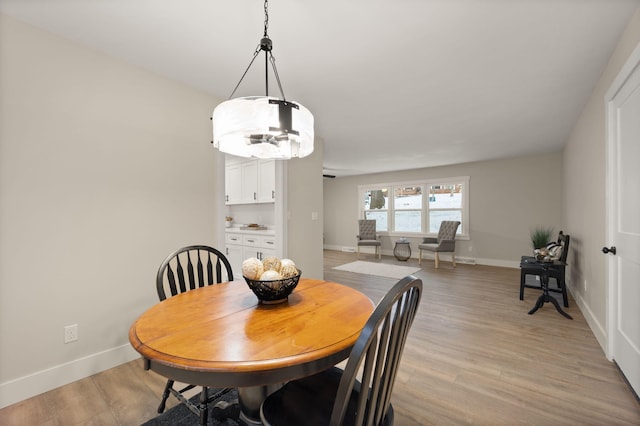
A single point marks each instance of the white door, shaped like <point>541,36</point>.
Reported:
<point>623,217</point>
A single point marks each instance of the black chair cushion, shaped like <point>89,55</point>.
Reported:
<point>309,401</point>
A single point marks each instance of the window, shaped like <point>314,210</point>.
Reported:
<point>407,209</point>
<point>445,203</point>
<point>417,207</point>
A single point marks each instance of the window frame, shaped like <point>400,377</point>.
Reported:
<point>425,185</point>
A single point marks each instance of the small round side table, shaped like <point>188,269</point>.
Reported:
<point>402,250</point>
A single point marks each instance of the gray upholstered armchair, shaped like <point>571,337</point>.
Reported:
<point>367,236</point>
<point>446,242</point>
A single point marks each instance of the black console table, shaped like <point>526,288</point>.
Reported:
<point>544,282</point>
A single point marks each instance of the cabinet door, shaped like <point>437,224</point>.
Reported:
<point>235,257</point>
<point>265,252</point>
<point>266,181</point>
<point>233,184</point>
<point>257,252</point>
<point>248,252</point>
<point>250,181</point>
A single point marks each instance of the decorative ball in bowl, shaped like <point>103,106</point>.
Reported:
<point>272,280</point>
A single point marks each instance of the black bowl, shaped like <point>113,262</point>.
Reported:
<point>275,291</point>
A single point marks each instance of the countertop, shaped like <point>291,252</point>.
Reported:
<point>237,230</point>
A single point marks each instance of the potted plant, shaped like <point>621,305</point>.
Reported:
<point>541,236</point>
<point>227,221</point>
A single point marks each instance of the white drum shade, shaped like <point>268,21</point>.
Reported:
<point>252,127</point>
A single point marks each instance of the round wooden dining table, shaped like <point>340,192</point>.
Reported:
<point>222,336</point>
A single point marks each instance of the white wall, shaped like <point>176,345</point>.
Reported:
<point>584,183</point>
<point>507,199</point>
<point>104,170</point>
<point>304,198</point>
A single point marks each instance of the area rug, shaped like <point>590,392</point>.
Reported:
<point>379,269</point>
<point>219,415</point>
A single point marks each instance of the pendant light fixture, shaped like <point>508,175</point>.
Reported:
<point>263,126</point>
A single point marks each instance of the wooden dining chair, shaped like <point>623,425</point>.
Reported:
<point>361,393</point>
<point>186,269</point>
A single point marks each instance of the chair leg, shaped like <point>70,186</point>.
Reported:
<point>202,407</point>
<point>165,395</point>
<point>379,250</point>
<point>522,278</point>
<point>419,256</point>
<point>437,259</point>
<point>565,298</point>
<point>453,258</point>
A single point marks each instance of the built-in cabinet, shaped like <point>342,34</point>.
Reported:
<point>250,197</point>
<point>241,246</point>
<point>250,181</point>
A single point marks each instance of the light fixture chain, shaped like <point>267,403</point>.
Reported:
<point>268,56</point>
<point>266,17</point>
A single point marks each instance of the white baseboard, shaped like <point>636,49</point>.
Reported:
<point>42,381</point>
<point>339,248</point>
<point>596,328</point>
<point>500,263</point>
<point>414,255</point>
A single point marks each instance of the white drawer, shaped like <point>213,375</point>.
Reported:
<point>233,238</point>
<point>252,240</point>
<point>269,243</point>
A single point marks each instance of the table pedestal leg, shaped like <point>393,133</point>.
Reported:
<point>539,304</point>
<point>250,399</point>
<point>546,297</point>
<point>558,308</point>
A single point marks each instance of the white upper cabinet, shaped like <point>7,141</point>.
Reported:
<point>250,181</point>
<point>233,183</point>
<point>266,181</point>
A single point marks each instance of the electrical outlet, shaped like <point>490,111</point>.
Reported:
<point>71,333</point>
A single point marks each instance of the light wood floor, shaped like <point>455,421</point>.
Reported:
<point>473,356</point>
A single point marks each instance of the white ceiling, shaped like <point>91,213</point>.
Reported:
<point>392,84</point>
